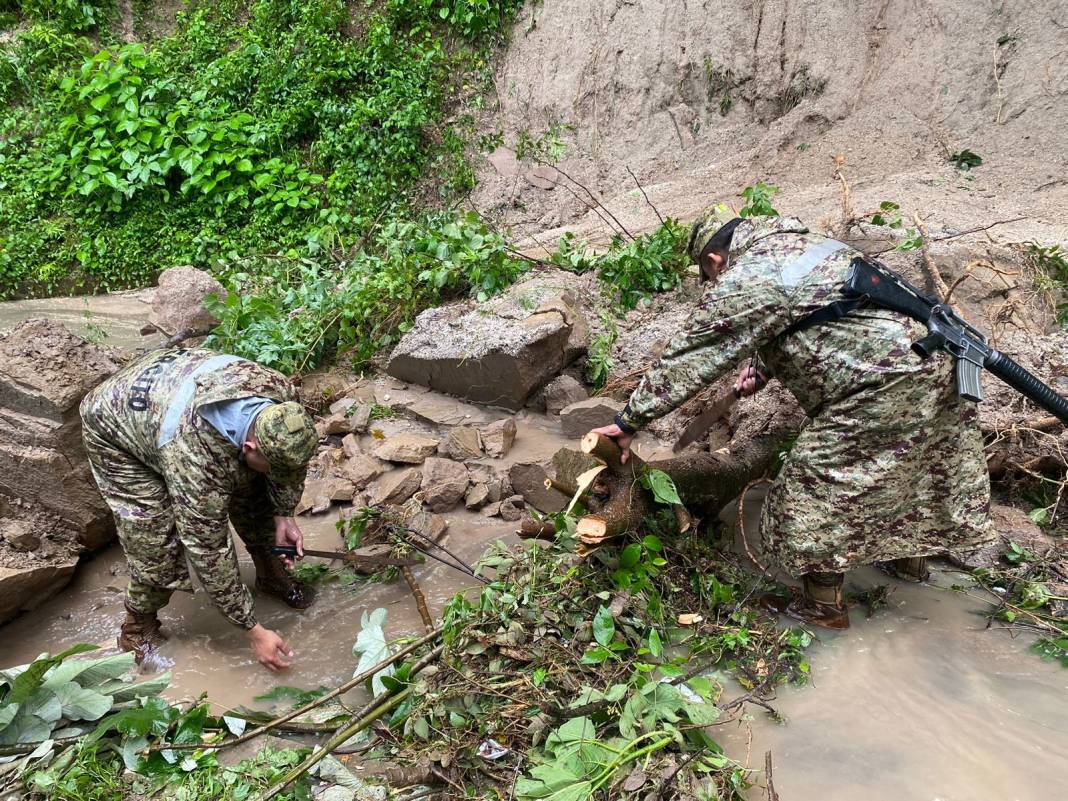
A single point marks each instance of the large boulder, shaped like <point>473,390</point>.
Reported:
<point>500,352</point>
<point>178,305</point>
<point>45,371</point>
<point>50,509</point>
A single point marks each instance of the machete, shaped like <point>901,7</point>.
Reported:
<point>713,413</point>
<point>346,556</point>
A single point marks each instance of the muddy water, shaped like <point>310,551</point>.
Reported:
<point>921,702</point>
<point>206,654</point>
<point>114,319</point>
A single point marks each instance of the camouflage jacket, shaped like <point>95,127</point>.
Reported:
<point>778,273</point>
<point>150,409</point>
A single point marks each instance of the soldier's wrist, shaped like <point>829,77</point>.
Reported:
<point>625,423</point>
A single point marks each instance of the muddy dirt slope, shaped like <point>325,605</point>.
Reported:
<point>701,99</point>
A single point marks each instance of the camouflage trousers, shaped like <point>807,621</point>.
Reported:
<point>891,471</point>
<point>139,499</point>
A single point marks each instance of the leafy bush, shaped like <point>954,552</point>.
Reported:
<point>758,200</point>
<point>649,263</point>
<point>68,15</point>
<point>293,314</point>
<point>259,126</point>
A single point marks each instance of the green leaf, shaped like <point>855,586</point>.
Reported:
<point>630,556</point>
<point>604,626</point>
<point>7,714</point>
<point>702,714</point>
<point>596,655</point>
<point>656,647</point>
<point>80,703</point>
<point>662,487</point>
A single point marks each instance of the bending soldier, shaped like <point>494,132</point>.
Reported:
<point>181,442</point>
<point>890,468</point>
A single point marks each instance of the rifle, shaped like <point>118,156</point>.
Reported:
<point>871,283</point>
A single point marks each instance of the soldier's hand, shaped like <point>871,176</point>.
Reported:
<point>270,649</point>
<point>622,440</point>
<point>750,381</point>
<point>287,532</point>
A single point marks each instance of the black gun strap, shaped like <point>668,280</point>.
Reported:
<point>835,310</point>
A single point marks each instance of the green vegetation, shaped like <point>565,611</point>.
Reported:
<point>1051,263</point>
<point>266,126</point>
<point>294,314</point>
<point>758,200</point>
<point>965,160</point>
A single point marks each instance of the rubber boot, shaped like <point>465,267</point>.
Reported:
<point>272,578</point>
<point>910,568</point>
<point>140,634</point>
<point>819,603</point>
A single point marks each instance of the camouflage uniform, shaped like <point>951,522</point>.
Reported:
<point>172,480</point>
<point>891,464</point>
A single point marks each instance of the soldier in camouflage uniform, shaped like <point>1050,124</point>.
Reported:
<point>181,442</point>
<point>890,468</point>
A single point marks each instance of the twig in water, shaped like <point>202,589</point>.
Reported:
<point>355,681</point>
<point>347,733</point>
<point>420,599</point>
<point>772,795</point>
<point>647,200</point>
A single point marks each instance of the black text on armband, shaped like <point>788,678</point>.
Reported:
<point>139,389</point>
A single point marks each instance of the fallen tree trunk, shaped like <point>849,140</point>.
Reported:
<point>706,482</point>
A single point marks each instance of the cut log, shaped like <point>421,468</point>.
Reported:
<point>706,482</point>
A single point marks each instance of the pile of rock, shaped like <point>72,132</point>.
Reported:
<point>50,509</point>
<point>438,466</point>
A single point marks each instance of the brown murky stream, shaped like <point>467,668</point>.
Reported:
<point>919,703</point>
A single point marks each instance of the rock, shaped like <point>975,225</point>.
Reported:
<point>361,469</point>
<point>513,508</point>
<point>498,353</point>
<point>528,481</point>
<point>562,391</point>
<point>396,487</point>
<point>178,304</point>
<point>477,496</point>
<point>320,493</point>
<point>444,483</point>
<point>497,438</point>
<point>463,443</point>
<point>1012,526</point>
<point>492,510</point>
<point>19,534</point>
<point>24,589</point>
<point>406,448</point>
<point>342,405</point>
<point>359,417</point>
<point>580,417</point>
<point>543,176</point>
<point>439,410</point>
<point>45,371</point>
<point>427,523</point>
<point>351,446</point>
<point>336,423</point>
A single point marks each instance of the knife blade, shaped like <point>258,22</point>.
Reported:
<point>713,413</point>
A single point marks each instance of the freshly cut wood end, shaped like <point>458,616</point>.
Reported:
<point>591,529</point>
<point>589,442</point>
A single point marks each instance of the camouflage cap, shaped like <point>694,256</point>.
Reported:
<point>704,228</point>
<point>286,436</point>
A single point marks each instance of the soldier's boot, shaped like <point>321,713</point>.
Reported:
<point>272,578</point>
<point>140,633</point>
<point>910,568</point>
<point>819,603</point>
